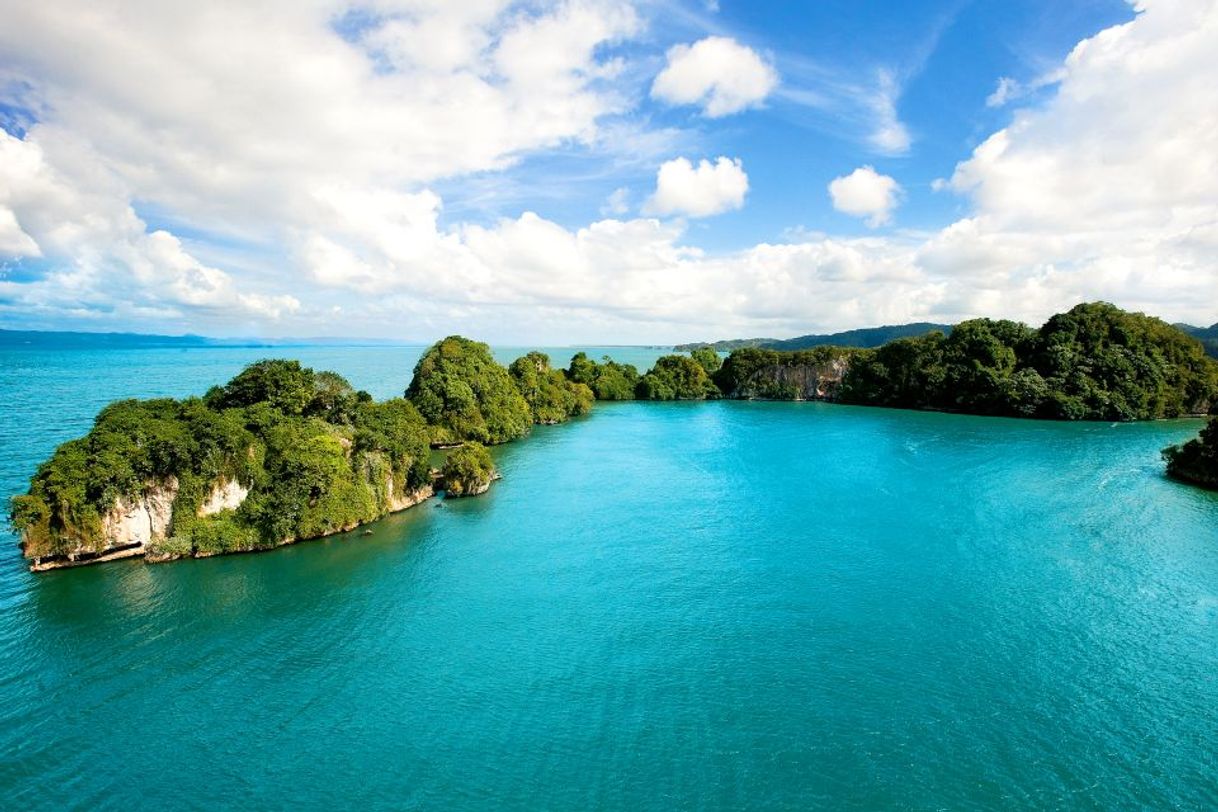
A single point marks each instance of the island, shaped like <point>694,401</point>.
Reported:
<point>283,453</point>
<point>1197,460</point>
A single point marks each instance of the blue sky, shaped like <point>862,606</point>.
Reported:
<point>602,170</point>
<point>945,59</point>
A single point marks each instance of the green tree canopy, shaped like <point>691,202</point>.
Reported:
<point>1095,362</point>
<point>465,395</point>
<point>306,474</point>
<point>676,377</point>
<point>707,358</point>
<point>468,470</point>
<point>552,398</point>
<point>608,379</point>
<point>1197,460</point>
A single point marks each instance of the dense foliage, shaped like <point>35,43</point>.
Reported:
<point>552,398</point>
<point>314,455</point>
<point>866,337</point>
<point>465,395</point>
<point>676,377</point>
<point>608,379</point>
<point>1197,460</point>
<point>1095,362</point>
<point>468,470</point>
<point>727,345</point>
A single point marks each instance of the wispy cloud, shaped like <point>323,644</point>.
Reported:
<point>860,103</point>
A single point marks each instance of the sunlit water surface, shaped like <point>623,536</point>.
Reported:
<point>693,606</point>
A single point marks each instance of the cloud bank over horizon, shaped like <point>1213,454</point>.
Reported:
<point>576,171</point>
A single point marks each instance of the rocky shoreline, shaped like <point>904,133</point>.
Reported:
<point>153,554</point>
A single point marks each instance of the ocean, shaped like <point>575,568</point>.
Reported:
<point>717,605</point>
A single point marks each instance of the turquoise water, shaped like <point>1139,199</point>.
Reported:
<point>694,606</point>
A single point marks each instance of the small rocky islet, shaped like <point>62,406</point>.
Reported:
<point>282,453</point>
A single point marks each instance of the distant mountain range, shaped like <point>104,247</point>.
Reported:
<point>863,337</point>
<point>1208,336</point>
<point>877,336</point>
<point>69,340</point>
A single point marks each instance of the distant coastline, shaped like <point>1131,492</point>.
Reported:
<point>72,339</point>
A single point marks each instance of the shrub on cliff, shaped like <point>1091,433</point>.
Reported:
<point>707,358</point>
<point>465,395</point>
<point>395,431</point>
<point>132,443</point>
<point>552,398</point>
<point>676,377</point>
<point>1197,460</point>
<point>608,379</point>
<point>305,475</point>
<point>468,470</point>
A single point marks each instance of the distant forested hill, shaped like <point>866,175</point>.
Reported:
<point>866,337</point>
<point>71,340</point>
<point>1208,336</point>
<point>726,345</point>
<point>64,340</point>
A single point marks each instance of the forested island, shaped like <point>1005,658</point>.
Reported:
<point>283,453</point>
<point>279,454</point>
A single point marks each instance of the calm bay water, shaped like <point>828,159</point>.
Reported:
<point>702,606</point>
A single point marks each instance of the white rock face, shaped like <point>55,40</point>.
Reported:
<point>143,518</point>
<point>227,494</point>
<point>409,499</point>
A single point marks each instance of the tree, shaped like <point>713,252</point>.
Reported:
<point>707,358</point>
<point>552,398</point>
<point>284,385</point>
<point>676,377</point>
<point>468,470</point>
<point>1197,460</point>
<point>608,380</point>
<point>465,395</point>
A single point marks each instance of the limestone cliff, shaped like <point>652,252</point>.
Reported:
<point>140,526</point>
<point>128,528</point>
<point>768,375</point>
<point>407,499</point>
<point>225,494</point>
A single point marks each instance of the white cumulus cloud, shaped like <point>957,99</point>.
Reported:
<point>699,191</point>
<point>288,183</point>
<point>866,193</point>
<point>1110,189</point>
<point>717,73</point>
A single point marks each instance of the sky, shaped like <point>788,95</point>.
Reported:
<point>602,171</point>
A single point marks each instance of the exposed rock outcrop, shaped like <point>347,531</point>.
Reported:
<point>407,499</point>
<point>139,526</point>
<point>130,525</point>
<point>468,471</point>
<point>457,489</point>
<point>141,519</point>
<point>769,375</point>
<point>225,494</point>
<point>803,381</point>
